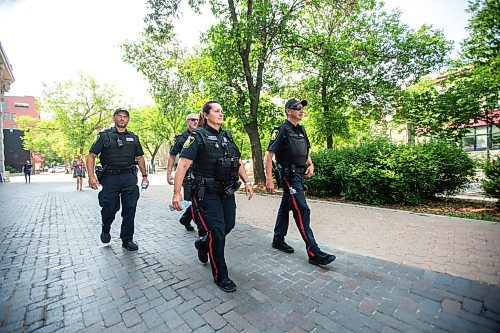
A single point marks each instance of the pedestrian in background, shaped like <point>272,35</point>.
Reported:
<point>291,145</point>
<point>27,171</point>
<point>192,124</point>
<point>216,167</point>
<point>120,152</point>
<point>79,171</point>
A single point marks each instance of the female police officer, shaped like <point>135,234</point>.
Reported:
<point>216,167</point>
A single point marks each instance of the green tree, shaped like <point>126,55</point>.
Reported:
<point>78,109</point>
<point>469,90</point>
<point>355,63</point>
<point>153,128</point>
<point>243,43</point>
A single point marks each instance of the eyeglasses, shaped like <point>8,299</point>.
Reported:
<point>193,119</point>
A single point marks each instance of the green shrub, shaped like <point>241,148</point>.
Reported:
<point>11,169</point>
<point>491,183</point>
<point>379,172</point>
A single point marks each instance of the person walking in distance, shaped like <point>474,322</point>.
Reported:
<point>79,170</point>
<point>213,160</point>
<point>27,171</point>
<point>120,152</point>
<point>192,124</point>
<point>291,146</point>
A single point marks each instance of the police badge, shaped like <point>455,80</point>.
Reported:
<point>274,134</point>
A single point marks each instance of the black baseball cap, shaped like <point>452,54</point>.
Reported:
<point>291,103</point>
<point>121,110</point>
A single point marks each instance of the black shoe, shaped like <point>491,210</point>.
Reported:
<point>321,258</point>
<point>226,285</point>
<point>282,246</point>
<point>186,224</point>
<point>202,248</point>
<point>130,245</point>
<point>105,237</point>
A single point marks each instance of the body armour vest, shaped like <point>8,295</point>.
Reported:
<point>214,149</point>
<point>118,149</point>
<point>294,148</point>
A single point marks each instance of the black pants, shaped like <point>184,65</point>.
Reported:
<point>217,217</point>
<point>114,188</point>
<point>27,176</point>
<point>301,213</point>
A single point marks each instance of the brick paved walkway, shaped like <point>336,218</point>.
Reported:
<point>57,276</point>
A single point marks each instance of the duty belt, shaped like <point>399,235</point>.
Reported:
<point>289,169</point>
<point>119,170</point>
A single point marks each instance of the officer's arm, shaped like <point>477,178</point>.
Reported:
<point>142,165</point>
<point>310,167</point>
<point>182,167</point>
<point>170,166</point>
<point>268,165</point>
<point>93,182</point>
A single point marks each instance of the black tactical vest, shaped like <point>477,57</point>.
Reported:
<point>294,148</point>
<point>115,156</point>
<point>214,149</point>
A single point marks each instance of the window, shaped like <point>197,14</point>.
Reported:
<point>14,126</point>
<point>495,136</point>
<point>481,137</point>
<point>13,116</point>
<point>6,116</point>
<point>4,105</point>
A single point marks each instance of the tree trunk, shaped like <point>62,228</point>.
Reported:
<point>329,142</point>
<point>258,165</point>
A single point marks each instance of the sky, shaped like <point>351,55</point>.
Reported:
<point>53,40</point>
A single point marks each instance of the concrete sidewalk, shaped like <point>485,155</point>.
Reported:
<point>57,276</point>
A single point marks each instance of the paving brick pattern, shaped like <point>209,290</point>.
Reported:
<point>56,276</point>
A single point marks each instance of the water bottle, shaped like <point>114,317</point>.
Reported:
<point>184,204</point>
<point>292,190</point>
<point>144,184</point>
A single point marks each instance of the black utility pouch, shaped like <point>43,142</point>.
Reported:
<point>99,172</point>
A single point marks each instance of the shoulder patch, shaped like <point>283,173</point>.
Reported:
<point>274,134</point>
<point>188,142</point>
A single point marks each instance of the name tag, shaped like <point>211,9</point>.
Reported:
<point>129,139</point>
<point>211,137</point>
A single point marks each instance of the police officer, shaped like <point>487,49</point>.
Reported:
<point>290,144</point>
<point>119,151</point>
<point>192,123</point>
<point>216,168</point>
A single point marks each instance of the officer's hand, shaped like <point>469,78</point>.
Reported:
<point>176,201</point>
<point>270,185</point>
<point>170,179</point>
<point>249,191</point>
<point>93,182</point>
<point>309,171</point>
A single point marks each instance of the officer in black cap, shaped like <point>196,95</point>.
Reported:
<point>192,124</point>
<point>216,167</point>
<point>291,145</point>
<point>120,153</point>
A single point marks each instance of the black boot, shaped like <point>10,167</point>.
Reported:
<point>321,258</point>
<point>201,245</point>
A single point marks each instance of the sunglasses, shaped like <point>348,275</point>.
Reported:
<point>297,108</point>
<point>193,119</point>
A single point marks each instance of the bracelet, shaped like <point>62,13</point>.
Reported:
<point>144,175</point>
<point>246,183</point>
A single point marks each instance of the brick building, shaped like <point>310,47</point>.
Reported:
<point>14,107</point>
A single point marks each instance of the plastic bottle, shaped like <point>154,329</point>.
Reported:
<point>144,184</point>
<point>292,190</point>
<point>184,204</point>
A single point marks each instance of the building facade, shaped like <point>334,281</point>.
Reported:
<point>13,108</point>
<point>6,79</point>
